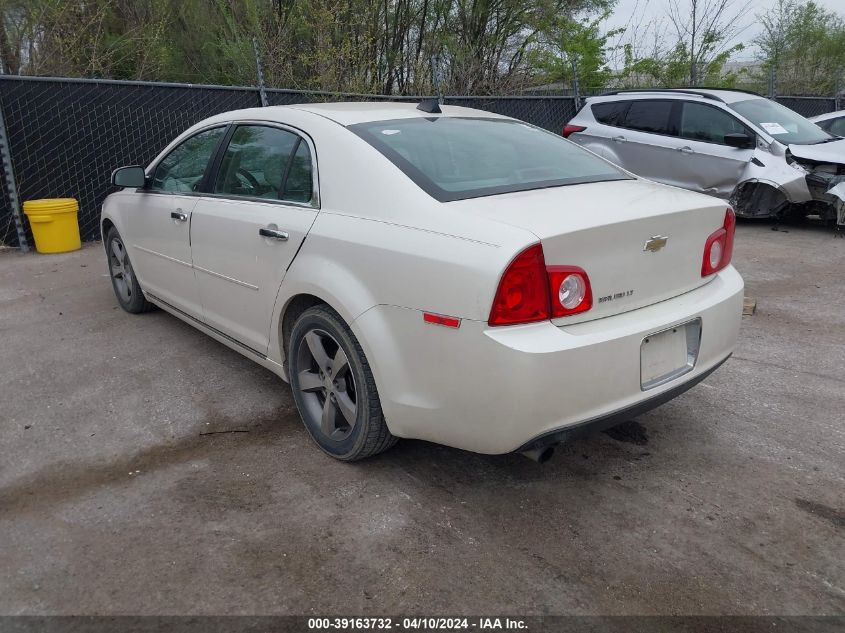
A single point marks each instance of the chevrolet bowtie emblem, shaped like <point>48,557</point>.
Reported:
<point>656,243</point>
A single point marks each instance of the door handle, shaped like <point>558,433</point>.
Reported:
<point>273,234</point>
<point>686,150</point>
<point>618,139</point>
<point>179,216</point>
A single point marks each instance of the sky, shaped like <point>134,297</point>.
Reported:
<point>656,9</point>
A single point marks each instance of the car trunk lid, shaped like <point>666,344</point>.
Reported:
<point>639,242</point>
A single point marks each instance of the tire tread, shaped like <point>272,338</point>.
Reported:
<point>136,306</point>
<point>378,437</point>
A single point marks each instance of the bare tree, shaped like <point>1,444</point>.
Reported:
<point>706,28</point>
<point>775,23</point>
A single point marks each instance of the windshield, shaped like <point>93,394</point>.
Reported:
<point>456,158</point>
<point>780,122</point>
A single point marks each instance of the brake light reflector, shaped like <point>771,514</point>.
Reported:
<point>570,290</point>
<point>523,293</point>
<point>718,249</point>
<point>572,129</point>
<point>440,319</point>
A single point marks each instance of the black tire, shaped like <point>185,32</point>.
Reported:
<point>314,384</point>
<point>125,284</point>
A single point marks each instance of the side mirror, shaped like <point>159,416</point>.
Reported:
<point>740,141</point>
<point>132,176</point>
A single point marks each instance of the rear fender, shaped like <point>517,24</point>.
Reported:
<point>322,277</point>
<point>354,264</point>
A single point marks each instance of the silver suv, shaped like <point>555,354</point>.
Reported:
<point>763,157</point>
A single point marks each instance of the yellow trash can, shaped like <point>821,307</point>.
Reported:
<point>54,224</point>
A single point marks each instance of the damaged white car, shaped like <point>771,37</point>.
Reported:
<point>766,159</point>
<point>833,122</point>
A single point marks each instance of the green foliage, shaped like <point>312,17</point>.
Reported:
<point>581,41</point>
<point>672,69</point>
<point>351,45</point>
<point>386,46</point>
<point>805,44</point>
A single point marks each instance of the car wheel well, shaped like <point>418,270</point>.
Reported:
<point>753,199</point>
<point>107,224</point>
<point>296,306</point>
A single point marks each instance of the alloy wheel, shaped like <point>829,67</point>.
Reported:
<point>121,270</point>
<point>327,385</point>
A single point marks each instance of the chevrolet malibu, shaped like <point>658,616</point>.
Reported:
<point>422,272</point>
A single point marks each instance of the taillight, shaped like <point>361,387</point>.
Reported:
<point>523,295</point>
<point>570,290</point>
<point>572,129</point>
<point>718,249</point>
<point>529,292</point>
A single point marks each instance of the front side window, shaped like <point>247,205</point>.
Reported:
<point>780,122</point>
<point>701,122</point>
<point>182,170</point>
<point>454,158</point>
<point>651,116</point>
<point>266,162</point>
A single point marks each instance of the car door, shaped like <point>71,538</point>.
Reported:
<point>647,142</point>
<point>709,164</point>
<point>609,116</point>
<point>158,227</point>
<point>246,230</point>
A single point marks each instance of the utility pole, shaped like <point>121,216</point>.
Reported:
<point>576,86</point>
<point>692,77</point>
<point>435,78</point>
<point>11,185</point>
<point>773,82</point>
<point>262,93</point>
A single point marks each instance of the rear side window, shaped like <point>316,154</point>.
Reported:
<point>611,112</point>
<point>650,116</point>
<point>266,162</point>
<point>701,122</point>
<point>298,184</point>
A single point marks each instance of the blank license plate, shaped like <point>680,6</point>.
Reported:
<point>668,354</point>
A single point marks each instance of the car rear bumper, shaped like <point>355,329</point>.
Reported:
<point>606,421</point>
<point>500,389</point>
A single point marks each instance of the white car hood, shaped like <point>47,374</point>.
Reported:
<point>831,152</point>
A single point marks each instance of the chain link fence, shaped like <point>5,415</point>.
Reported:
<point>809,106</point>
<point>65,136</point>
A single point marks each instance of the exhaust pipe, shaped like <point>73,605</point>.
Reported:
<point>540,455</point>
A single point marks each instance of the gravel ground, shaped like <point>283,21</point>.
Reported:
<point>147,469</point>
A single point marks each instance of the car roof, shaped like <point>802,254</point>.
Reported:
<point>828,115</point>
<point>351,112</point>
<point>722,95</point>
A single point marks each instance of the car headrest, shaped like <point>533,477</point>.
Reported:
<point>274,170</point>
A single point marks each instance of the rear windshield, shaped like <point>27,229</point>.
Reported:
<point>455,158</point>
<point>780,122</point>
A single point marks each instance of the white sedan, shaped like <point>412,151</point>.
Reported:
<point>453,276</point>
